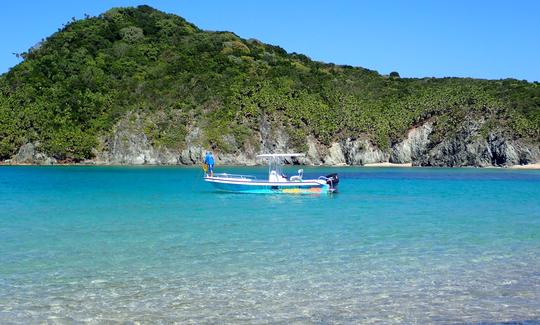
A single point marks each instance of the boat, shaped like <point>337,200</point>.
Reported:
<point>277,181</point>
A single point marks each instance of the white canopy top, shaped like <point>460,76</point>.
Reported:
<point>272,155</point>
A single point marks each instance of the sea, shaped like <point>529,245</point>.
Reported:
<point>157,245</point>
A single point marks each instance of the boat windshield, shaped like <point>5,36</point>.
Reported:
<point>275,165</point>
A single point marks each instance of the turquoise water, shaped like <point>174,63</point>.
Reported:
<point>158,245</point>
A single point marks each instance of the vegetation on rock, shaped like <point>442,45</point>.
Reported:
<point>74,86</point>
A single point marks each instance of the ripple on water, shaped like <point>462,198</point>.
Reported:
<point>417,246</point>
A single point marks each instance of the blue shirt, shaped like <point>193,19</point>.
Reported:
<point>209,159</point>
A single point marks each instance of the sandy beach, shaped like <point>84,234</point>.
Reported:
<point>529,166</point>
<point>388,164</point>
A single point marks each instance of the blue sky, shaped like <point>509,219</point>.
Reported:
<point>476,38</point>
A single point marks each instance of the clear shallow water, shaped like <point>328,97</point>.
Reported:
<point>157,245</point>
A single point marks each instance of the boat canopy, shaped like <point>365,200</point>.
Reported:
<point>275,162</point>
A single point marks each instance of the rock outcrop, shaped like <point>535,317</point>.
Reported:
<point>361,152</point>
<point>467,147</point>
<point>130,145</point>
<point>413,146</point>
<point>335,156</point>
<point>29,154</point>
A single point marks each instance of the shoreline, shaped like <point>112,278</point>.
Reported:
<point>389,164</point>
<point>535,166</point>
<point>529,166</point>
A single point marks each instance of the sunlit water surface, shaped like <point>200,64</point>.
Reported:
<point>158,245</point>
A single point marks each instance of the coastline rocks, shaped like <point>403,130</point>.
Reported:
<point>131,148</point>
<point>453,153</point>
<point>465,148</point>
<point>313,156</point>
<point>414,145</point>
<point>506,152</point>
<point>29,154</point>
<point>468,148</point>
<point>361,152</point>
<point>193,153</point>
<point>128,144</point>
<point>335,156</point>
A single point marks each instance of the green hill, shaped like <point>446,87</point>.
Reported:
<point>71,90</point>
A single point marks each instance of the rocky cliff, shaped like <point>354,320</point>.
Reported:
<point>129,144</point>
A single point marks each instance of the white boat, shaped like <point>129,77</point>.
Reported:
<point>277,182</point>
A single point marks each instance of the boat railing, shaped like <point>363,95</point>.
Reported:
<point>234,176</point>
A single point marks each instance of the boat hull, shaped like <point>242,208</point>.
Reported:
<point>261,187</point>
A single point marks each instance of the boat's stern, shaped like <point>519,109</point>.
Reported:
<point>332,180</point>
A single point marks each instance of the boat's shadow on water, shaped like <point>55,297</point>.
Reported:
<point>273,196</point>
<point>269,200</point>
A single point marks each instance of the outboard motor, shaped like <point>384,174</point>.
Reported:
<point>333,181</point>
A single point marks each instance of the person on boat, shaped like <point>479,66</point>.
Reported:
<point>209,161</point>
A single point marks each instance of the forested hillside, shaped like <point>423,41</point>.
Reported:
<point>167,77</point>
